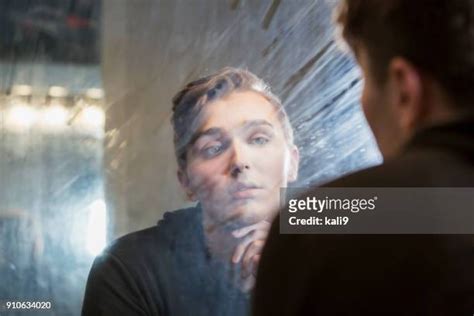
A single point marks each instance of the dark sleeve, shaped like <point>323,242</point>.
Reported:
<point>111,289</point>
<point>325,274</point>
<point>280,271</point>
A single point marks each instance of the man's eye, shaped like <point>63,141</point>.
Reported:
<point>259,140</point>
<point>212,151</point>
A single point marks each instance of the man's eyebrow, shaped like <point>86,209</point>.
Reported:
<point>254,123</point>
<point>214,131</point>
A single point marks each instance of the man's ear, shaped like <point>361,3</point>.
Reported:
<point>185,184</point>
<point>294,164</point>
<point>406,85</point>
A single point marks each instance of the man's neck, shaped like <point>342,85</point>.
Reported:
<point>440,114</point>
<point>219,239</point>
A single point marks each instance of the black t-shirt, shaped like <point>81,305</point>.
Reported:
<point>163,270</point>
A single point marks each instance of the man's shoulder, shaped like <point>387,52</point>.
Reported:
<point>154,239</point>
<point>427,168</point>
<point>391,174</point>
<point>134,270</point>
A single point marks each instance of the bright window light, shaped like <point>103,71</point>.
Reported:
<point>21,90</point>
<point>95,93</point>
<point>21,116</point>
<point>54,116</point>
<point>92,116</point>
<point>96,228</point>
<point>57,92</point>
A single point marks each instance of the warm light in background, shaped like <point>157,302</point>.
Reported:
<point>57,92</point>
<point>95,93</point>
<point>54,116</point>
<point>92,116</point>
<point>21,90</point>
<point>52,112</point>
<point>21,116</point>
<point>96,227</point>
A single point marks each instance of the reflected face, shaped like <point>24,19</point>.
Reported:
<point>239,160</point>
<point>378,106</point>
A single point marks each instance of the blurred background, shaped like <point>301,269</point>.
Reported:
<point>86,150</point>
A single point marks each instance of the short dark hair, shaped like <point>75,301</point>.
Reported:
<point>189,102</point>
<point>437,36</point>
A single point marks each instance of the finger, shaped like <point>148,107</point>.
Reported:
<point>248,284</point>
<point>253,266</point>
<point>253,250</point>
<point>241,248</point>
<point>262,225</point>
<point>255,262</point>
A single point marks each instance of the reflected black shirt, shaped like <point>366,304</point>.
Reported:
<point>163,270</point>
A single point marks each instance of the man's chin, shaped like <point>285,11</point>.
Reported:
<point>250,213</point>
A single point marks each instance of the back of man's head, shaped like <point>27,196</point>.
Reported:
<point>437,36</point>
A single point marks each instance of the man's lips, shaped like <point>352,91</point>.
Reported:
<point>245,191</point>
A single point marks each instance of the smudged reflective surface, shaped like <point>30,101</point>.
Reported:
<point>82,165</point>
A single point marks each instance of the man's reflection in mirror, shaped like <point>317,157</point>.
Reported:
<point>234,148</point>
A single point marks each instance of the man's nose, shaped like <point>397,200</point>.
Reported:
<point>239,160</point>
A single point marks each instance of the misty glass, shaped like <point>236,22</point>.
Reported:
<point>86,145</point>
